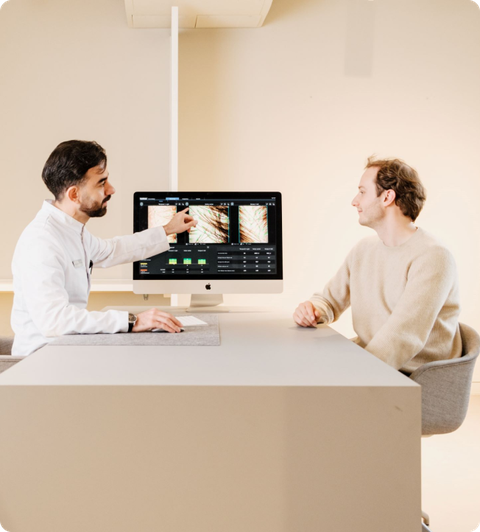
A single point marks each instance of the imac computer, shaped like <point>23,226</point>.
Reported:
<point>235,248</point>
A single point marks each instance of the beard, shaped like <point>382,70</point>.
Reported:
<point>95,209</point>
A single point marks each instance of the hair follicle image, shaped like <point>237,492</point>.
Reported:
<point>160,215</point>
<point>253,220</point>
<point>213,224</point>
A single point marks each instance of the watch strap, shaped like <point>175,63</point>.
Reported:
<point>132,319</point>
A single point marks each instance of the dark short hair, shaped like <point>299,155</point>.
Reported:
<point>68,164</point>
<point>396,175</point>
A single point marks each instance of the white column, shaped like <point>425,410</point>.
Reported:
<point>174,103</point>
<point>174,115</point>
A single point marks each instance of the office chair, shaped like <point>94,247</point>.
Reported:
<point>6,359</point>
<point>446,386</point>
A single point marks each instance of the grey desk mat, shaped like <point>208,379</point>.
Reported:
<point>196,335</point>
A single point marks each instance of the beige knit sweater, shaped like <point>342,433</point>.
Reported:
<point>405,300</point>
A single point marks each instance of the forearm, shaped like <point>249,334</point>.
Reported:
<point>53,315</point>
<point>335,297</point>
<point>128,248</point>
<point>397,344</point>
<point>70,320</point>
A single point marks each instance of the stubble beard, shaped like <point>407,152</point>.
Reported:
<point>95,210</point>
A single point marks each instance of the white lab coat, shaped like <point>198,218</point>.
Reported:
<point>51,277</point>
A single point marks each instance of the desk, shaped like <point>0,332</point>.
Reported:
<point>278,429</point>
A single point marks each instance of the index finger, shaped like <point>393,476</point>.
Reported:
<point>307,315</point>
<point>171,316</point>
<point>175,320</point>
<point>310,310</point>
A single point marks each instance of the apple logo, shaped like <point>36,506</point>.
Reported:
<point>208,286</point>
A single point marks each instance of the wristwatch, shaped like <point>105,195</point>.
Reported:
<point>132,319</point>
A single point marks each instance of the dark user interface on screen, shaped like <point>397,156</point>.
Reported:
<point>233,237</point>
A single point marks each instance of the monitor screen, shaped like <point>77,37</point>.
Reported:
<point>238,236</point>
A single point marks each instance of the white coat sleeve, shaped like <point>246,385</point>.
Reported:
<point>47,300</point>
<point>129,248</point>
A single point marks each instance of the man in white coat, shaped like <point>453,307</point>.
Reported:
<point>55,254</point>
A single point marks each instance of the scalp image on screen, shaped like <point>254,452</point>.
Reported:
<point>161,215</point>
<point>253,222</point>
<point>213,224</point>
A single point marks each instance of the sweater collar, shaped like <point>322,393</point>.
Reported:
<point>405,244</point>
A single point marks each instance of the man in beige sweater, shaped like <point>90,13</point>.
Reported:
<point>402,284</point>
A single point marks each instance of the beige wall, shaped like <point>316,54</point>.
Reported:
<point>73,69</point>
<point>295,106</point>
<point>299,104</point>
<point>6,301</point>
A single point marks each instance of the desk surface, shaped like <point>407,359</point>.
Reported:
<point>277,429</point>
<point>257,349</point>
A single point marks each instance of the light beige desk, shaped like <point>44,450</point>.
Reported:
<point>279,429</point>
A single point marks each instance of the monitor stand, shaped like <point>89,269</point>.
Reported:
<point>198,301</point>
<point>205,303</point>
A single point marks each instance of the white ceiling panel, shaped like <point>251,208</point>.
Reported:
<point>197,13</point>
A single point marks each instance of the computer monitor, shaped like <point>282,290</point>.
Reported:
<point>236,246</point>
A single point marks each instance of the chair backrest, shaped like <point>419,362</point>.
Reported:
<point>6,360</point>
<point>446,386</point>
<point>6,343</point>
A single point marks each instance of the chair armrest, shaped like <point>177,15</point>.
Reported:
<point>468,360</point>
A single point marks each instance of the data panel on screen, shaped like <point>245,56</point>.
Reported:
<point>238,235</point>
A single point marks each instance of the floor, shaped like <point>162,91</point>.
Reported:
<point>451,476</point>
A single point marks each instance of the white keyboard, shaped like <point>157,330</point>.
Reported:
<point>186,321</point>
<point>190,321</point>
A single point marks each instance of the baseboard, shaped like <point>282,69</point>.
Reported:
<point>475,388</point>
